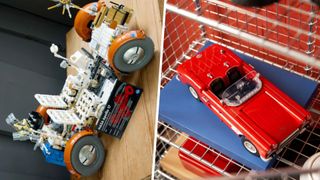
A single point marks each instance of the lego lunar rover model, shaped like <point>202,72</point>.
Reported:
<point>92,100</point>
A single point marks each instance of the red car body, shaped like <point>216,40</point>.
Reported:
<point>265,117</point>
<point>216,158</point>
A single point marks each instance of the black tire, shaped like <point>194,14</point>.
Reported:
<point>256,3</point>
<point>121,63</point>
<point>87,170</point>
<point>194,93</point>
<point>246,143</point>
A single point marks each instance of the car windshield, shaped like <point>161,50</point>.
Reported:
<point>242,90</point>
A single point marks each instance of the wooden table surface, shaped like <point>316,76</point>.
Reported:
<point>131,156</point>
<point>172,164</point>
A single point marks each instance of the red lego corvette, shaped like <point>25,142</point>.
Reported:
<point>264,117</point>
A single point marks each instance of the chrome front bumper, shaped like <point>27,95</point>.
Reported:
<point>292,136</point>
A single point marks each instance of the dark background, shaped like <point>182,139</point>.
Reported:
<point>27,67</point>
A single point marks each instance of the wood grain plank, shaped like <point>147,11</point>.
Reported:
<point>172,164</point>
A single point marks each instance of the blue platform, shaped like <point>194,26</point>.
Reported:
<point>179,109</point>
<point>53,156</point>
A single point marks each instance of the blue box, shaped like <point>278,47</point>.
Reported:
<point>179,109</point>
<point>53,156</point>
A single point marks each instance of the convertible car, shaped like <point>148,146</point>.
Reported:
<point>263,116</point>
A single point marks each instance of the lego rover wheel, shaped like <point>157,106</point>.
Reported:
<point>257,3</point>
<point>131,52</point>
<point>84,154</point>
<point>249,146</point>
<point>83,21</point>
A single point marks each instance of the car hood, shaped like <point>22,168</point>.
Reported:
<point>270,115</point>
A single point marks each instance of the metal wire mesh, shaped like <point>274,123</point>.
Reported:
<point>290,26</point>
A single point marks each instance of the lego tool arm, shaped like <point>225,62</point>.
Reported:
<point>54,50</point>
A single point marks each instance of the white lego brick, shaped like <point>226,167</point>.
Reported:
<point>107,88</point>
<point>86,104</point>
<point>51,101</point>
<point>101,39</point>
<point>63,117</point>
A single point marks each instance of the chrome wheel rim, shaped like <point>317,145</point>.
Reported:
<point>133,55</point>
<point>250,147</point>
<point>178,77</point>
<point>87,155</point>
<point>193,92</point>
